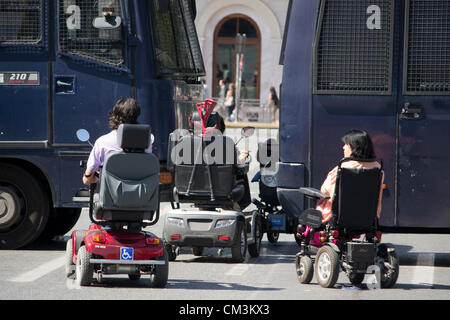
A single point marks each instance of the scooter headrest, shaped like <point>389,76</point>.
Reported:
<point>133,137</point>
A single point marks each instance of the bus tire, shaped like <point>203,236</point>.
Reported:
<point>60,222</point>
<point>24,207</point>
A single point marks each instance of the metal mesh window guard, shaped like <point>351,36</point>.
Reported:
<point>20,22</point>
<point>353,51</point>
<point>78,36</point>
<point>428,47</point>
<point>192,36</point>
<point>175,38</point>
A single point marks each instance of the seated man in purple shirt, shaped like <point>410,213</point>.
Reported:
<point>125,111</point>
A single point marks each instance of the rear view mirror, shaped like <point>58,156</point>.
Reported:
<point>247,131</point>
<point>83,135</point>
<point>107,23</point>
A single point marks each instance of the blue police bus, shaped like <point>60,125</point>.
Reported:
<point>63,65</point>
<point>378,65</point>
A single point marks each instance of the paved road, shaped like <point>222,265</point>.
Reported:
<point>38,273</point>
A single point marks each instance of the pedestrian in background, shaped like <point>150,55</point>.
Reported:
<point>230,101</point>
<point>221,101</point>
<point>273,105</point>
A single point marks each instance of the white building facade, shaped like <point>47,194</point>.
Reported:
<point>218,22</point>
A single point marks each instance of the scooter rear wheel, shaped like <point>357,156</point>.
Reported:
<point>70,266</point>
<point>160,273</point>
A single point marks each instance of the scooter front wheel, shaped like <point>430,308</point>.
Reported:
<point>239,251</point>
<point>84,270</point>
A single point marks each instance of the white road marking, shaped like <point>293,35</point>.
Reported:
<point>424,270</point>
<point>237,270</point>
<point>40,271</point>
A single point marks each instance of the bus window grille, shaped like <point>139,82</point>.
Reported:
<point>83,39</point>
<point>20,22</point>
<point>192,36</point>
<point>175,40</point>
<point>428,47</point>
<point>349,56</point>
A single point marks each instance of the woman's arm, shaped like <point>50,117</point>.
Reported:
<point>380,196</point>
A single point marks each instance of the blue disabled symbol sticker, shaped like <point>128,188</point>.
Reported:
<point>126,253</point>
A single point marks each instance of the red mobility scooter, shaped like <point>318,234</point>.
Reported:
<point>127,202</point>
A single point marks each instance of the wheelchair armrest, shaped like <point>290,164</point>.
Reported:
<point>313,193</point>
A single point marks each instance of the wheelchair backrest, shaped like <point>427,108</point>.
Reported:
<point>356,196</point>
<point>130,179</point>
<point>267,151</point>
<point>197,159</point>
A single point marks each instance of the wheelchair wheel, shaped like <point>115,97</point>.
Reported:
<point>255,248</point>
<point>326,267</point>
<point>356,278</point>
<point>389,266</point>
<point>305,269</point>
<point>273,237</point>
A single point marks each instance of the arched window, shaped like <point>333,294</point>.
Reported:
<point>225,54</point>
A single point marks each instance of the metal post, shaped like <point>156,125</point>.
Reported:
<point>240,46</point>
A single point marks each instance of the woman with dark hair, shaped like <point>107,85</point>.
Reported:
<point>126,110</point>
<point>273,105</point>
<point>358,145</point>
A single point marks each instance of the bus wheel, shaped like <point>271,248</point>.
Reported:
<point>24,207</point>
<point>60,222</point>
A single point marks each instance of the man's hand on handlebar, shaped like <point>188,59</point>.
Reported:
<point>90,177</point>
<point>243,154</point>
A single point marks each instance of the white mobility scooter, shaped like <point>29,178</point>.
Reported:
<point>207,176</point>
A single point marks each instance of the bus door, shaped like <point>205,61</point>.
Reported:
<point>23,73</point>
<point>353,87</point>
<point>424,117</point>
<point>89,72</point>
